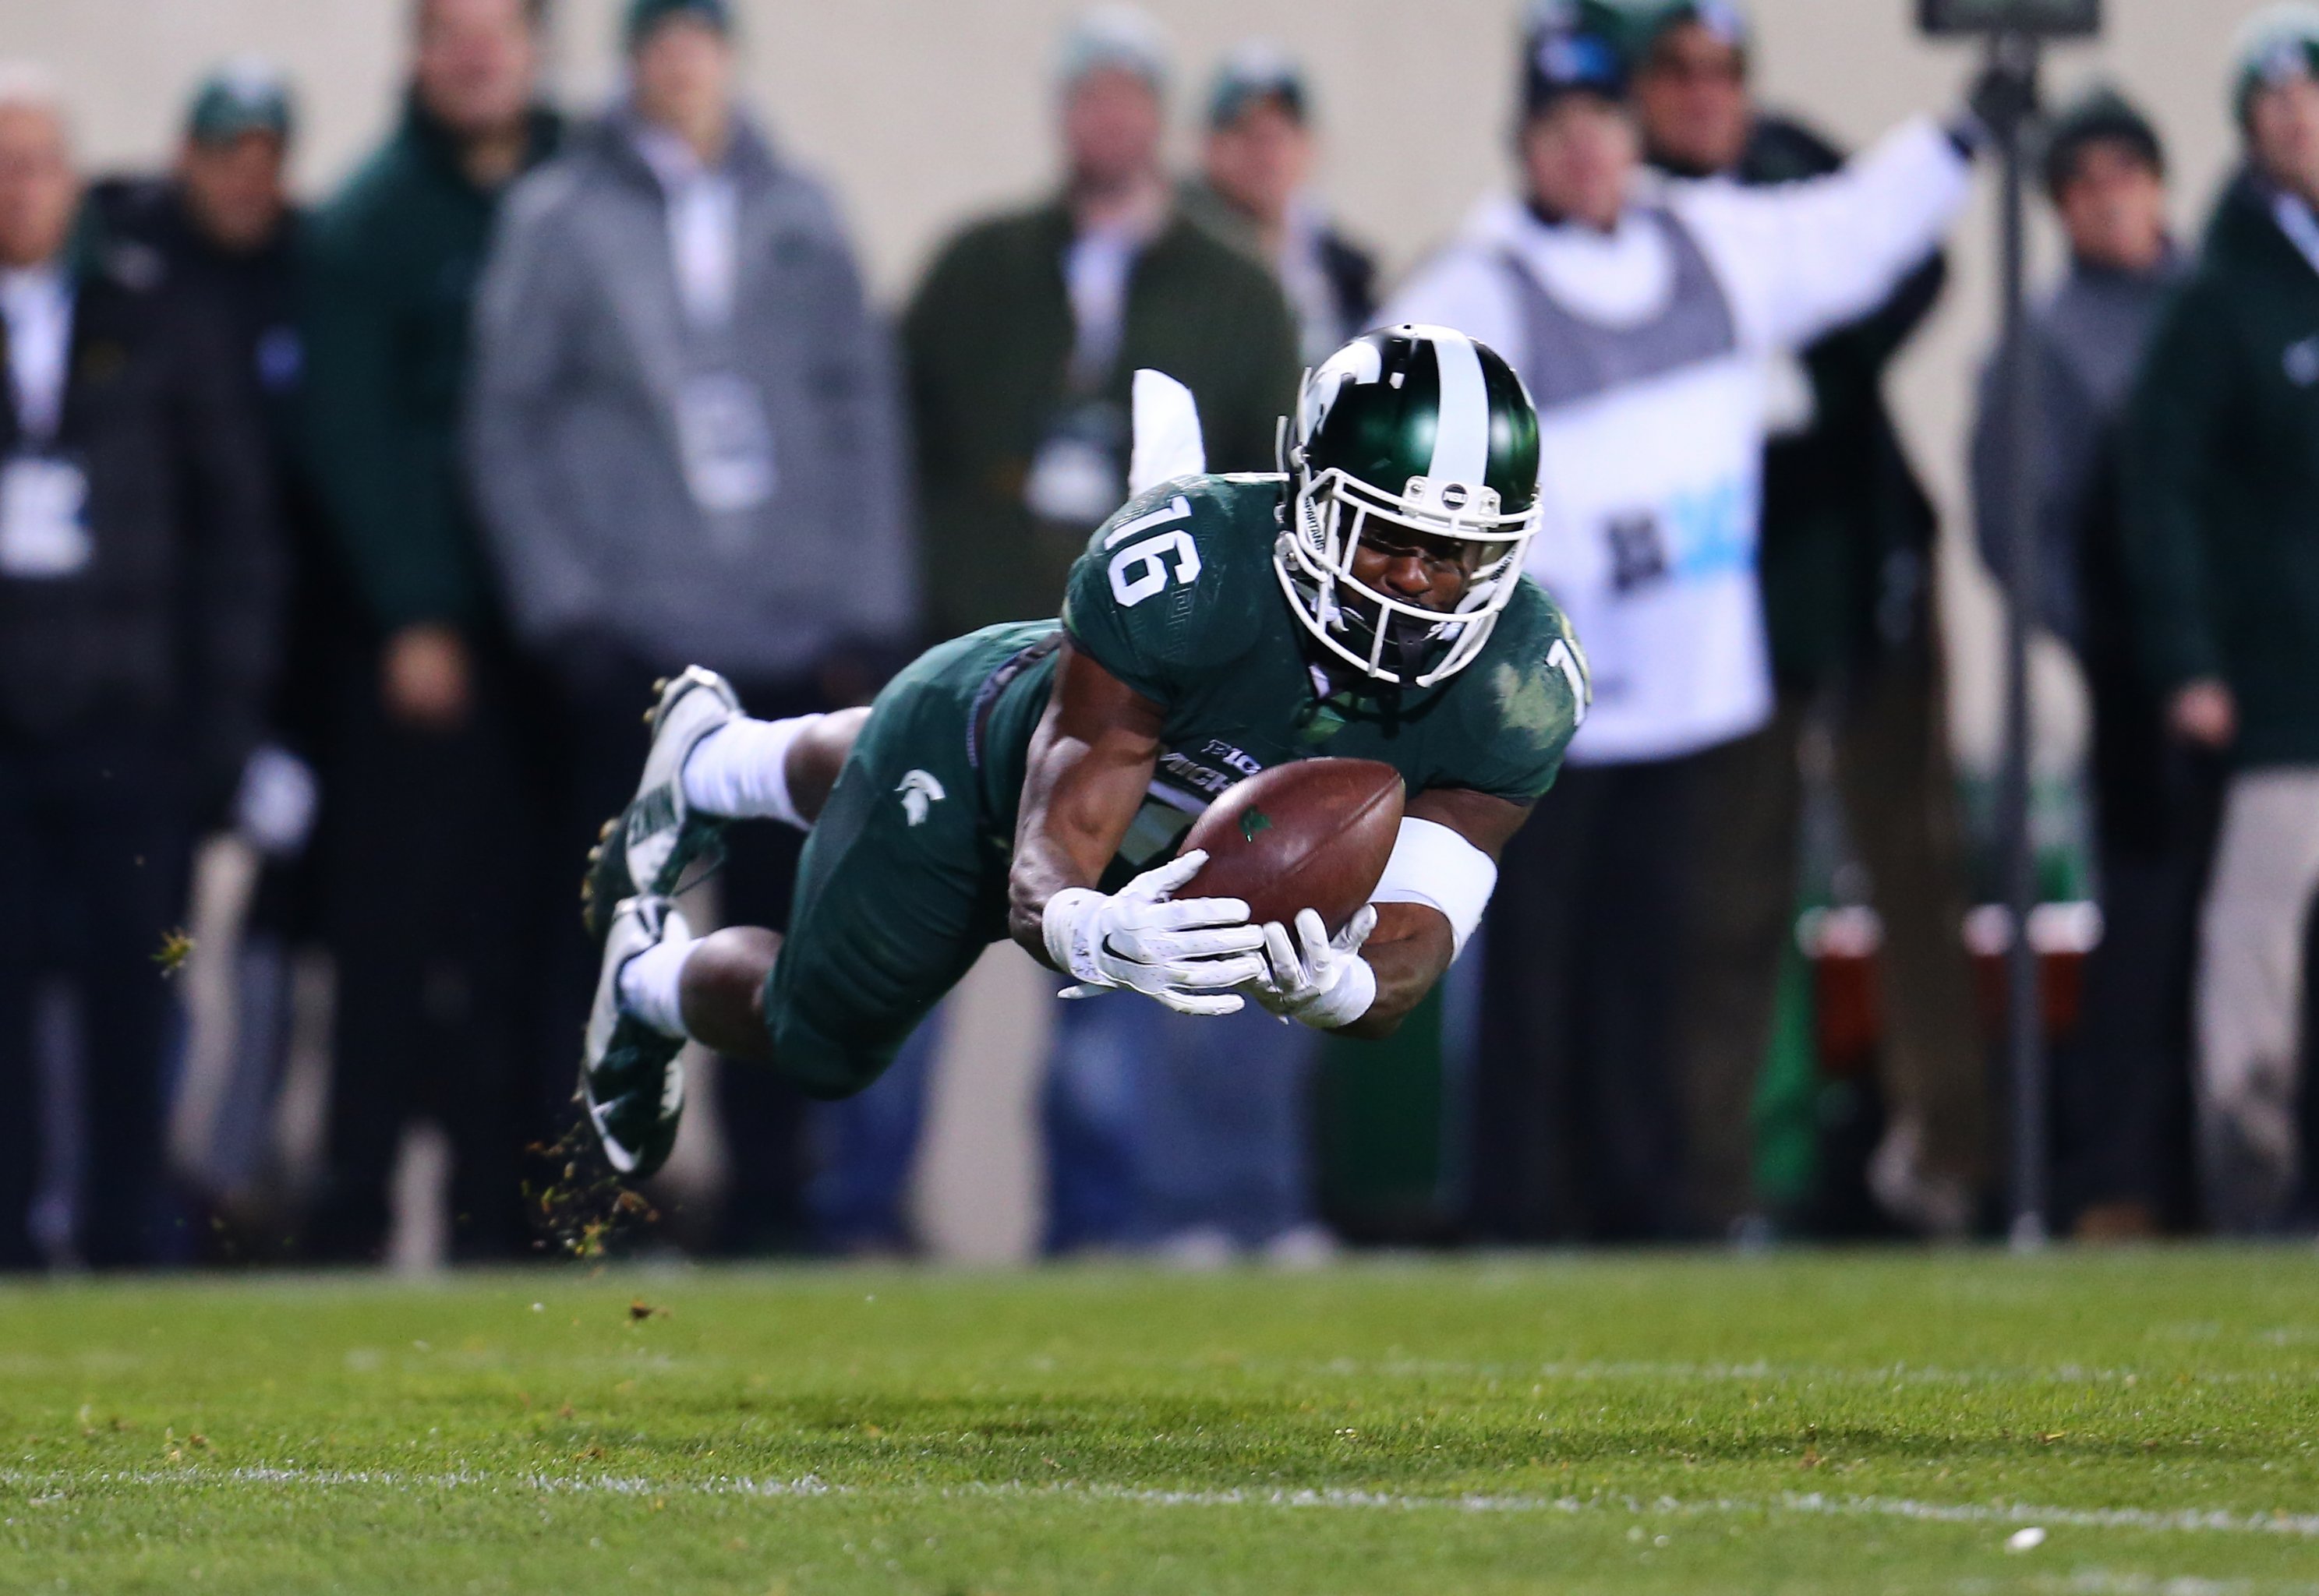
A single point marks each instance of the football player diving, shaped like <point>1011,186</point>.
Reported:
<point>1033,779</point>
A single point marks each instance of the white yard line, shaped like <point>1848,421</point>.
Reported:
<point>1895,1375</point>
<point>2300,1526</point>
<point>47,1488</point>
<point>2303,1525</point>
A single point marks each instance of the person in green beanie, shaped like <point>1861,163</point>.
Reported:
<point>2221,496</point>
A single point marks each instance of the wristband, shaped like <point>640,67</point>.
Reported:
<point>1435,866</point>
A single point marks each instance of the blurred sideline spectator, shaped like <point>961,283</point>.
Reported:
<point>138,591</point>
<point>2122,1084</point>
<point>2221,492</point>
<point>1642,323</point>
<point>1846,575</point>
<point>862,1152</point>
<point>685,440</point>
<point>1254,193</point>
<point>222,228</point>
<point>1022,344</point>
<point>1216,1144</point>
<point>1219,1147</point>
<point>432,873</point>
<point>1024,336</point>
<point>1217,1141</point>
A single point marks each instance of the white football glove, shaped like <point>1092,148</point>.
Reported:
<point>1187,955</point>
<point>1326,983</point>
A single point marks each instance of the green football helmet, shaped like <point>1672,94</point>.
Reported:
<point>1423,429</point>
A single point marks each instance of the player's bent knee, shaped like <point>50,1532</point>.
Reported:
<point>724,991</point>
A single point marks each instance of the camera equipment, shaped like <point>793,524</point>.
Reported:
<point>2033,19</point>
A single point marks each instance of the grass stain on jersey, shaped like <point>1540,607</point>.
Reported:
<point>1321,719</point>
<point>1527,702</point>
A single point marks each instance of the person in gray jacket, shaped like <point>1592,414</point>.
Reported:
<point>2121,1084</point>
<point>684,437</point>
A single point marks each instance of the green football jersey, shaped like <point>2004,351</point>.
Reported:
<point>1178,597</point>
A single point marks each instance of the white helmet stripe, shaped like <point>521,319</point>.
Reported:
<point>1461,432</point>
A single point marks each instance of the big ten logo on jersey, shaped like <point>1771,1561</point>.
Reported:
<point>1693,536</point>
<point>1194,773</point>
<point>1224,752</point>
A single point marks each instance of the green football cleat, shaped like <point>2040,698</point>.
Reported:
<point>649,846</point>
<point>630,1076</point>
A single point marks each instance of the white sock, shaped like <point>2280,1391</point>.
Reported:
<point>740,771</point>
<point>652,984</point>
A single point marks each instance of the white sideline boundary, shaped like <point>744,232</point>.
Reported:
<point>1895,1376</point>
<point>48,1489</point>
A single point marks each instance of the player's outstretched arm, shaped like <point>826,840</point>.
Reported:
<point>1413,943</point>
<point>1089,767</point>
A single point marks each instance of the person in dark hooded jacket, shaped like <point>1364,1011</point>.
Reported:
<point>139,579</point>
<point>2221,497</point>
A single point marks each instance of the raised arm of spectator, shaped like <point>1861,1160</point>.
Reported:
<point>523,343</point>
<point>1804,257</point>
<point>2172,435</point>
<point>235,580</point>
<point>389,493</point>
<point>1849,364</point>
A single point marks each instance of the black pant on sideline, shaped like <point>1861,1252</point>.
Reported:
<point>94,850</point>
<point>1577,1130</point>
<point>762,1118</point>
<point>2122,1086</point>
<point>432,845</point>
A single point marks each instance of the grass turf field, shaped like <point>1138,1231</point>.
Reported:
<point>1836,1423</point>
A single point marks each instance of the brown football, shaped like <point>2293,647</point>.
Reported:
<point>1312,834</point>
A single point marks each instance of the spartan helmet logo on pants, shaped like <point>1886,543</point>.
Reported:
<point>920,792</point>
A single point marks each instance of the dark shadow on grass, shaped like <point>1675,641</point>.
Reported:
<point>1228,1443</point>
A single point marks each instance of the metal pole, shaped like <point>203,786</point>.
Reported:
<point>2025,1007</point>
